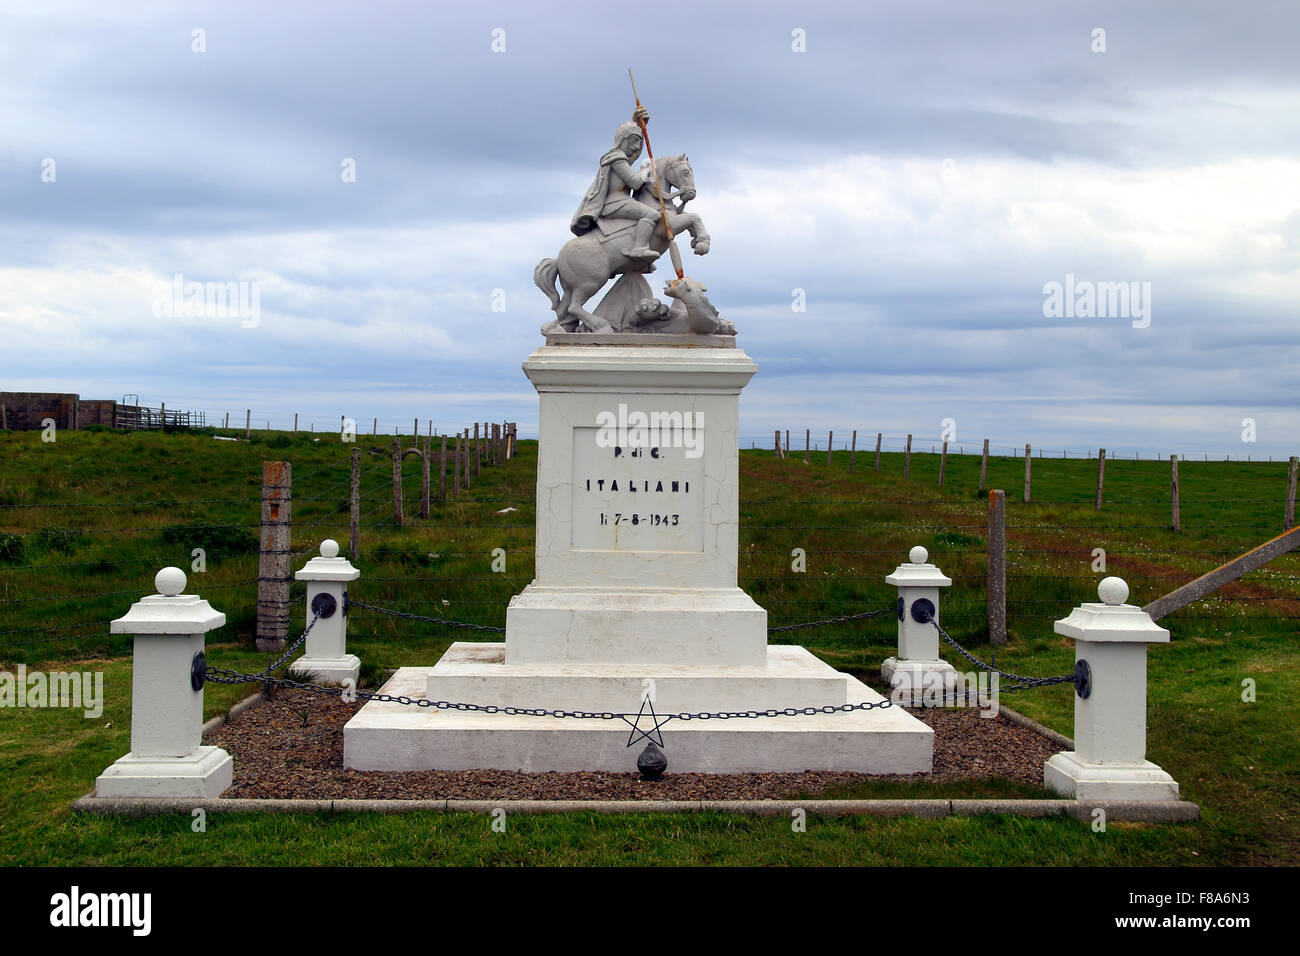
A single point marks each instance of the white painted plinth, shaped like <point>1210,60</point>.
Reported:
<point>635,581</point>
<point>1110,724</point>
<point>385,736</point>
<point>327,645</point>
<point>684,626</point>
<point>167,756</point>
<point>636,552</point>
<point>328,670</point>
<point>918,666</point>
<point>479,673</point>
<point>204,772</point>
<point>1067,774</point>
<point>912,682</point>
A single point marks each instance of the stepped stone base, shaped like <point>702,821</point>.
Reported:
<point>386,736</point>
<point>1065,773</point>
<point>204,773</point>
<point>636,627</point>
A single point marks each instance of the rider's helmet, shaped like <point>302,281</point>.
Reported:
<point>624,132</point>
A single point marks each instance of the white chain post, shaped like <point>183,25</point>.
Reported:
<point>167,757</point>
<point>1110,722</point>
<point>327,656</point>
<point>918,671</point>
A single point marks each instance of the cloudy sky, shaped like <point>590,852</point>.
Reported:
<point>916,172</point>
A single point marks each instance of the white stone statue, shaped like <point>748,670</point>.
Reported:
<point>619,230</point>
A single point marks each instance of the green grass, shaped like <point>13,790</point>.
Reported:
<point>154,496</point>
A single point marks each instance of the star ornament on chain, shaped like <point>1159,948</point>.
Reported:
<point>654,732</point>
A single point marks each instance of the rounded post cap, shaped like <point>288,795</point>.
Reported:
<point>169,581</point>
<point>918,555</point>
<point>329,548</point>
<point>1113,590</point>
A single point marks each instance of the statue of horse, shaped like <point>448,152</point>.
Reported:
<point>587,262</point>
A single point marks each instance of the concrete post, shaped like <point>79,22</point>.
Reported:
<point>167,757</point>
<point>327,654</point>
<point>918,667</point>
<point>997,567</point>
<point>1110,724</point>
<point>273,555</point>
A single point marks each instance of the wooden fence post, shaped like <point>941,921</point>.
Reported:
<point>830,443</point>
<point>273,560</point>
<point>879,435</point>
<point>4,418</point>
<point>984,464</point>
<point>807,443</point>
<point>455,468</point>
<point>295,423</point>
<point>248,423</point>
<point>1028,459</point>
<point>853,450</point>
<point>442,471</point>
<point>468,453</point>
<point>997,577</point>
<point>1173,491</point>
<point>1101,476</point>
<point>776,444</point>
<point>907,459</point>
<point>943,462</point>
<point>478,453</point>
<point>354,508</point>
<point>1213,580</point>
<point>1288,520</point>
<point>397,481</point>
<point>424,476</point>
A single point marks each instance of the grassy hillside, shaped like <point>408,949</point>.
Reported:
<point>86,521</point>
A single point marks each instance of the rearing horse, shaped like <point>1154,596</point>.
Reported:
<point>587,262</point>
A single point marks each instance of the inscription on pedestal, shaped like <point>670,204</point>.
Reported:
<point>648,498</point>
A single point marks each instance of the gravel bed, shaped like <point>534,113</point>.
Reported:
<point>291,746</point>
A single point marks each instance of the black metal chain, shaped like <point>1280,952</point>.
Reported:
<point>223,676</point>
<point>501,630</point>
<point>1021,681</point>
<point>834,620</point>
<point>293,647</point>
<point>350,603</point>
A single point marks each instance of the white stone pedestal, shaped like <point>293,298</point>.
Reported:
<point>918,672</point>
<point>167,757</point>
<point>326,657</point>
<point>637,532</point>
<point>1110,724</point>
<point>635,592</point>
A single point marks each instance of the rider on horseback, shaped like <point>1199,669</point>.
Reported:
<point>610,195</point>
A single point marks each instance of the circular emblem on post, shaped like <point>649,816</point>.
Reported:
<point>324,604</point>
<point>1083,679</point>
<point>198,670</point>
<point>922,610</point>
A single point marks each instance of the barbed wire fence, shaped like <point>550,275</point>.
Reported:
<point>224,539</point>
<point>444,565</point>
